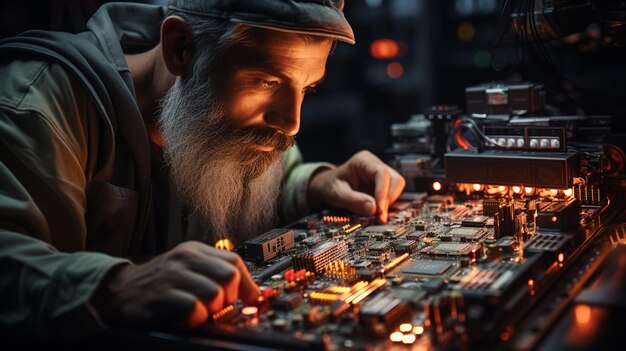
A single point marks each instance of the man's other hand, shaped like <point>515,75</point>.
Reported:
<point>179,288</point>
<point>364,185</point>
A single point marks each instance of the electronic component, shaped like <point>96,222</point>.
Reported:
<point>385,231</point>
<point>558,215</point>
<point>384,310</point>
<point>543,170</point>
<point>405,246</point>
<point>590,194</point>
<point>549,245</point>
<point>504,220</point>
<point>494,98</point>
<point>451,249</point>
<point>427,268</point>
<point>474,221</point>
<point>274,269</point>
<point>288,302</point>
<point>463,234</point>
<point>522,138</point>
<point>268,245</point>
<point>319,257</point>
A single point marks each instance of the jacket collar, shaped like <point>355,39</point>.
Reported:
<point>126,28</point>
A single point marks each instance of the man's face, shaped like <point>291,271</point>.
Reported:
<point>261,85</point>
<point>225,129</point>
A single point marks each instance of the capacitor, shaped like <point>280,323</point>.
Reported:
<point>504,220</point>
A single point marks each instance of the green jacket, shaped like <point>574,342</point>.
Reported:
<point>75,172</point>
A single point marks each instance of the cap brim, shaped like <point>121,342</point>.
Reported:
<point>298,30</point>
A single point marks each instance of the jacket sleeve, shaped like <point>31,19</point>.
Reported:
<point>297,176</point>
<point>47,278</point>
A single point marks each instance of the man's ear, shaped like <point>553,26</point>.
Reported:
<point>176,45</point>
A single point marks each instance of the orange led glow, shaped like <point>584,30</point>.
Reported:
<point>224,244</point>
<point>529,190</point>
<point>408,338</point>
<point>502,188</point>
<point>561,257</point>
<point>249,310</point>
<point>567,192</point>
<point>582,314</point>
<point>384,49</point>
<point>517,189</point>
<point>395,70</point>
<point>437,186</point>
<point>554,219</point>
<point>554,192</point>
<point>396,336</point>
<point>531,282</point>
<point>418,329</point>
<point>477,187</point>
<point>405,327</point>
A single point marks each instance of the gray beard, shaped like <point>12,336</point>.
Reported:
<point>233,188</point>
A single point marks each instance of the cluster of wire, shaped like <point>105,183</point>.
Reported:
<point>468,125</point>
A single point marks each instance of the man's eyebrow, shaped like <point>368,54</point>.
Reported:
<point>270,70</point>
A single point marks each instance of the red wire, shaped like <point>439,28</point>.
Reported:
<point>458,138</point>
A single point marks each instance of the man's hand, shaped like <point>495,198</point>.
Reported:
<point>352,184</point>
<point>178,288</point>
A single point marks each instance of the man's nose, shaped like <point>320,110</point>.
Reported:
<point>284,111</point>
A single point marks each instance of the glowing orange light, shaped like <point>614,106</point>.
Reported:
<point>505,336</point>
<point>384,49</point>
<point>561,257</point>
<point>395,70</point>
<point>405,327</point>
<point>531,283</point>
<point>249,310</point>
<point>502,188</point>
<point>224,244</point>
<point>554,219</point>
<point>396,336</point>
<point>554,192</point>
<point>408,338</point>
<point>567,192</point>
<point>437,186</point>
<point>477,187</point>
<point>529,190</point>
<point>517,189</point>
<point>582,314</point>
<point>419,330</point>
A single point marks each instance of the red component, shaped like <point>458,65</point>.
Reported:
<point>290,275</point>
<point>267,292</point>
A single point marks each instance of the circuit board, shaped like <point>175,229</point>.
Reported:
<point>446,272</point>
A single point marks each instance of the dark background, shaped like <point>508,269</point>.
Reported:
<point>444,46</point>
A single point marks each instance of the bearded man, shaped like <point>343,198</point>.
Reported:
<point>129,148</point>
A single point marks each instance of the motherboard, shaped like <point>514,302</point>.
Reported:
<point>448,271</point>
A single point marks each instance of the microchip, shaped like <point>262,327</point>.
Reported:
<point>463,234</point>
<point>379,247</point>
<point>269,244</point>
<point>388,231</point>
<point>427,267</point>
<point>405,246</point>
<point>474,221</point>
<point>455,250</point>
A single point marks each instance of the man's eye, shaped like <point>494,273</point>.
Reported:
<point>269,84</point>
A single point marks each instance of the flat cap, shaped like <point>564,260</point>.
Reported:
<point>317,17</point>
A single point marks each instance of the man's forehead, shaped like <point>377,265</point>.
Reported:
<point>268,50</point>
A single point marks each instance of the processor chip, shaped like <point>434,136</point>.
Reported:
<point>464,234</point>
<point>427,267</point>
